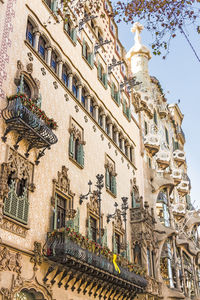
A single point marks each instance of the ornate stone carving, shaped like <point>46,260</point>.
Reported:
<point>13,227</point>
<point>10,261</point>
<point>93,205</point>
<point>29,68</point>
<point>37,259</point>
<point>76,132</point>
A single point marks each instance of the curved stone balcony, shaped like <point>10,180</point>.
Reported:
<point>28,126</point>
<point>163,159</point>
<point>162,111</point>
<point>151,143</point>
<point>179,157</point>
<point>176,175</point>
<point>179,208</point>
<point>184,186</point>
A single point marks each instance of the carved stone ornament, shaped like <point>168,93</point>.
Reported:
<point>136,101</point>
<point>118,223</point>
<point>111,168</point>
<point>10,261</point>
<point>37,259</point>
<point>93,205</point>
<point>29,68</point>
<point>76,132</point>
<point>62,184</point>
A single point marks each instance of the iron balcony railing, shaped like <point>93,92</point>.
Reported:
<point>28,125</point>
<point>59,247</point>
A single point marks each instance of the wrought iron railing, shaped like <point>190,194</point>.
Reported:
<point>27,124</point>
<point>59,247</point>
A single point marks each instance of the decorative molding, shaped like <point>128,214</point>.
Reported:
<point>10,261</point>
<point>6,43</point>
<point>14,226</point>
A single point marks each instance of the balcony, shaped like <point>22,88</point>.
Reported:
<point>154,287</point>
<point>177,175</point>
<point>162,111</point>
<point>90,270</point>
<point>32,126</point>
<point>184,186</point>
<point>179,209</point>
<point>151,143</point>
<point>179,157</point>
<point>163,159</point>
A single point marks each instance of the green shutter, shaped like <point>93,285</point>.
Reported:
<point>105,80</point>
<point>118,97</point>
<point>54,6</point>
<point>80,155</point>
<point>89,229</point>
<point>113,90</point>
<point>114,244</point>
<point>129,113</point>
<point>55,213</point>
<point>167,136</point>
<point>113,185</point>
<point>91,59</point>
<point>84,48</point>
<point>74,35</point>
<point>71,145</point>
<point>77,221</point>
<point>66,26</point>
<point>107,178</point>
<point>133,199</point>
<point>128,252</point>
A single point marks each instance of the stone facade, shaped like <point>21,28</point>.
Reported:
<point>99,207</point>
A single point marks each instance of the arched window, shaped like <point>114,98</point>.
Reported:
<point>100,117</point>
<point>29,33</point>
<point>42,47</point>
<point>91,108</point>
<point>137,256</point>
<point>75,87</point>
<point>65,76</point>
<point>107,126</point>
<point>83,97</point>
<point>27,89</point>
<point>162,207</point>
<point>54,59</point>
<point>166,263</point>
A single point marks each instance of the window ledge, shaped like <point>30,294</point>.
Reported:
<point>111,193</point>
<point>14,226</point>
<point>75,162</point>
<point>85,59</point>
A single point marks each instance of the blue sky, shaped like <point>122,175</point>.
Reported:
<point>180,75</point>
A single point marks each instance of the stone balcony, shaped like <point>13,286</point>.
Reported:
<point>151,143</point>
<point>184,186</point>
<point>163,159</point>
<point>28,125</point>
<point>179,208</point>
<point>162,111</point>
<point>176,175</point>
<point>88,269</point>
<point>179,157</point>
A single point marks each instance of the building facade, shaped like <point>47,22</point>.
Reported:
<point>94,192</point>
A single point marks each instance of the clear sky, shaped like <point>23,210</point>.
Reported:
<point>180,75</point>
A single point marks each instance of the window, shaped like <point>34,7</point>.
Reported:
<point>110,177</point>
<point>16,205</point>
<point>65,76</point>
<point>162,207</point>
<point>155,118</point>
<point>149,267</point>
<point>42,47</point>
<point>175,145</point>
<point>126,110</point>
<point>118,244</point>
<point>120,143</point>
<point>167,136</point>
<point>75,87</point>
<point>115,93</point>
<point>118,48</point>
<point>29,33</point>
<point>27,89</point>
<point>54,59</point>
<point>135,198</point>
<point>76,143</point>
<point>166,263</point>
<point>107,126</point>
<point>100,118</point>
<point>91,108</point>
<point>61,212</point>
<point>87,54</point>
<point>145,128</point>
<point>126,149</point>
<point>71,31</point>
<point>93,228</point>
<point>114,134</point>
<point>83,97</point>
<point>102,75</point>
<point>137,257</point>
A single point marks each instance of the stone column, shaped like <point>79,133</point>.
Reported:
<point>70,81</point>
<point>122,144</point>
<point>36,40</point>
<point>110,130</point>
<point>79,92</point>
<point>60,65</point>
<point>178,284</point>
<point>49,51</point>
<point>104,121</point>
<point>96,113</point>
<point>117,137</point>
<point>128,151</point>
<point>88,99</point>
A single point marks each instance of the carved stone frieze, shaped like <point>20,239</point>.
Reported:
<point>13,227</point>
<point>37,259</point>
<point>10,261</point>
<point>93,205</point>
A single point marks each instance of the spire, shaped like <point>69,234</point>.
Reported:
<point>138,47</point>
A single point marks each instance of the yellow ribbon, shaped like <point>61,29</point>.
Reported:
<point>115,264</point>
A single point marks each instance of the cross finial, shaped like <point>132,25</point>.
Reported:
<point>137,29</point>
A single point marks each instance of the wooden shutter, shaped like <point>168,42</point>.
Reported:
<point>113,90</point>
<point>107,178</point>
<point>124,106</point>
<point>55,213</point>
<point>129,113</point>
<point>91,59</point>
<point>118,97</point>
<point>89,229</point>
<point>104,238</point>
<point>80,155</point>
<point>105,80</point>
<point>84,48</point>
<point>114,244</point>
<point>74,35</point>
